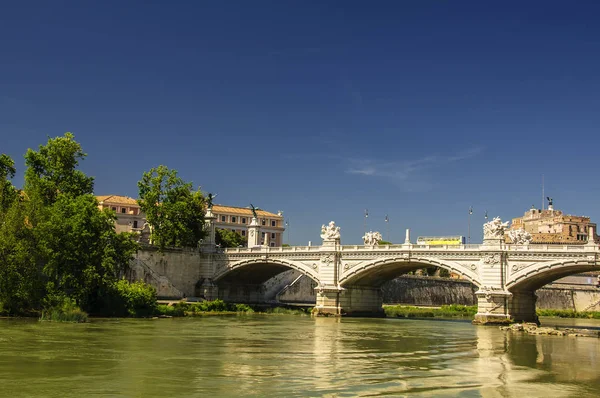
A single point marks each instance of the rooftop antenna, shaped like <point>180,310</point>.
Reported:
<point>543,196</point>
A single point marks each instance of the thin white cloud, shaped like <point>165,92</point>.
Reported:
<point>407,171</point>
<point>410,175</point>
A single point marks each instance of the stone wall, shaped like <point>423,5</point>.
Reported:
<point>577,298</point>
<point>430,291</point>
<point>183,268</point>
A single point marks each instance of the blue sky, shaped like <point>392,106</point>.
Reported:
<point>322,109</point>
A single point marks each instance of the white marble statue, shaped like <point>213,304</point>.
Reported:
<point>330,231</point>
<point>494,229</point>
<point>520,236</point>
<point>372,238</point>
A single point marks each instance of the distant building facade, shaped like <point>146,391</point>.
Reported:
<point>553,226</point>
<point>237,219</point>
<point>129,215</point>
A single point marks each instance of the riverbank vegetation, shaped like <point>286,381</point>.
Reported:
<point>569,314</point>
<point>446,311</point>
<point>462,311</point>
<point>60,256</point>
<point>216,307</point>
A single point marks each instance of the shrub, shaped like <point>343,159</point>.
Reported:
<point>124,298</point>
<point>65,311</point>
<point>169,310</point>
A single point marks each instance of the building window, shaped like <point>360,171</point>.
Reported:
<point>123,210</point>
<point>263,234</point>
<point>243,232</point>
<point>272,235</point>
<point>114,208</point>
<point>243,220</point>
<point>273,223</point>
<point>135,224</point>
<point>232,219</point>
<point>264,222</point>
<point>272,244</point>
<point>222,218</point>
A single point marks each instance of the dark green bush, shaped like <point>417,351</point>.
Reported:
<point>64,311</point>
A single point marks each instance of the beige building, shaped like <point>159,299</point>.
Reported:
<point>129,215</point>
<point>237,219</point>
<point>552,226</point>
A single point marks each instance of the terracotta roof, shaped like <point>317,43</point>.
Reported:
<point>218,209</point>
<point>117,199</point>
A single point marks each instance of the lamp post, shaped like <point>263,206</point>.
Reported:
<point>469,228</point>
<point>366,216</point>
<point>287,224</point>
<point>387,227</point>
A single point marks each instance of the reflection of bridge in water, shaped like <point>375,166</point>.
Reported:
<point>349,278</point>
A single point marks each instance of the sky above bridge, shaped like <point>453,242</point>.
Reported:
<point>412,109</point>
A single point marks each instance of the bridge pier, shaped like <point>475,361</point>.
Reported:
<point>350,301</point>
<point>492,307</point>
<point>522,306</point>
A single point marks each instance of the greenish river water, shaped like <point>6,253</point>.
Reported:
<point>281,356</point>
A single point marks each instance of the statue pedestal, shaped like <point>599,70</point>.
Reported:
<point>497,242</point>
<point>254,233</point>
<point>331,243</point>
<point>207,245</point>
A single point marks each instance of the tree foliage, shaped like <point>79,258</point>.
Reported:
<point>52,170</point>
<point>174,210</point>
<point>56,246</point>
<point>8,193</point>
<point>228,238</point>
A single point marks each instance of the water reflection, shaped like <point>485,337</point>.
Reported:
<point>291,356</point>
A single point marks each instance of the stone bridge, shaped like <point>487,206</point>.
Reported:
<point>349,277</point>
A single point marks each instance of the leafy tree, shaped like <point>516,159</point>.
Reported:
<point>83,254</point>
<point>53,170</point>
<point>56,246</point>
<point>228,238</point>
<point>8,193</point>
<point>384,242</point>
<point>20,283</point>
<point>173,209</point>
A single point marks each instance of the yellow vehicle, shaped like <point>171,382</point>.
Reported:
<point>441,240</point>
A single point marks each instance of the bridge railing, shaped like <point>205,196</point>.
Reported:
<point>261,249</point>
<point>504,246</point>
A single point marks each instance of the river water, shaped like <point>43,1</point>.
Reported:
<point>283,355</point>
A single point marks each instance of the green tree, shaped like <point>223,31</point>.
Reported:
<point>173,209</point>
<point>83,255</point>
<point>53,170</point>
<point>56,246</point>
<point>228,238</point>
<point>384,243</point>
<point>8,193</point>
<point>20,282</point>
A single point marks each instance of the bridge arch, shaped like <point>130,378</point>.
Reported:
<point>538,275</point>
<point>257,271</point>
<point>375,273</point>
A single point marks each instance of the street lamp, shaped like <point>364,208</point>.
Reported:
<point>366,216</point>
<point>287,224</point>
<point>469,230</point>
<point>387,227</point>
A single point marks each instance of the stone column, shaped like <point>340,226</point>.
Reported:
<point>208,244</point>
<point>591,236</point>
<point>328,291</point>
<point>407,239</point>
<point>254,233</point>
<point>492,297</point>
